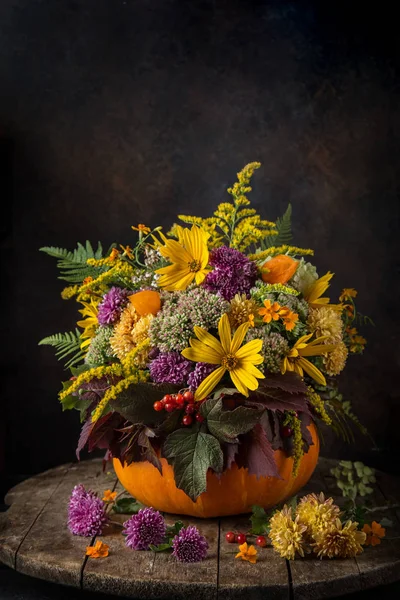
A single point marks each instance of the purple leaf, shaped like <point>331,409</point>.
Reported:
<point>256,454</point>
<point>278,399</point>
<point>230,451</point>
<point>289,382</point>
<point>84,436</point>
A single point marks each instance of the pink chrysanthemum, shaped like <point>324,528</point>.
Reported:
<point>86,513</point>
<point>189,545</point>
<point>145,528</point>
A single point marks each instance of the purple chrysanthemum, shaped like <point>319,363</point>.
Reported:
<point>233,273</point>
<point>86,513</point>
<point>170,367</point>
<point>201,371</point>
<point>112,305</point>
<point>145,528</point>
<point>189,545</point>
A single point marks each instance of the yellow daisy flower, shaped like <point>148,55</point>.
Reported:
<point>315,292</point>
<point>90,323</point>
<point>296,361</point>
<point>189,257</point>
<point>238,361</point>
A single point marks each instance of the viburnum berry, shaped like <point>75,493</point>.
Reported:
<point>261,541</point>
<point>190,409</point>
<point>166,399</point>
<point>187,420</point>
<point>188,396</point>
<point>241,538</point>
<point>170,407</point>
<point>199,418</point>
<point>158,406</point>
<point>180,400</point>
<point>230,537</point>
<point>286,431</point>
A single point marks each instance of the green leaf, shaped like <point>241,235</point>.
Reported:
<point>161,547</point>
<point>73,264</point>
<point>136,402</point>
<point>127,506</point>
<point>259,521</point>
<point>284,228</point>
<point>66,344</point>
<point>173,530</point>
<point>192,453</point>
<point>226,425</point>
<point>385,522</point>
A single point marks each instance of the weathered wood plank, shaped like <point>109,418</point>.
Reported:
<point>50,551</point>
<point>314,579</point>
<point>239,579</point>
<point>27,500</point>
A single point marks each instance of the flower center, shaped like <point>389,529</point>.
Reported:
<point>195,266</point>
<point>229,362</point>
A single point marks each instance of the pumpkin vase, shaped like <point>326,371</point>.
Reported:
<point>231,493</point>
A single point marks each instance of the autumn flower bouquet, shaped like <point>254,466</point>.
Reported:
<point>206,350</point>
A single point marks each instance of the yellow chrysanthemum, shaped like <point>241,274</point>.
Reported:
<point>287,534</point>
<point>122,341</point>
<point>339,540</point>
<point>335,361</point>
<point>238,361</point>
<point>189,257</point>
<point>241,310</point>
<point>89,323</point>
<point>315,292</point>
<point>325,321</point>
<point>317,513</point>
<point>296,361</point>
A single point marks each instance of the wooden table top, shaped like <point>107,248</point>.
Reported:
<point>34,540</point>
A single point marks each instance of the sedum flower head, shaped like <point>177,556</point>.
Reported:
<point>326,321</point>
<point>86,513</point>
<point>335,361</point>
<point>189,545</point>
<point>173,326</point>
<point>339,540</point>
<point>287,534</point>
<point>317,513</point>
<point>274,348</point>
<point>145,528</point>
<point>100,351</point>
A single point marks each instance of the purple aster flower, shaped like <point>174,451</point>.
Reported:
<point>170,367</point>
<point>201,371</point>
<point>189,545</point>
<point>112,305</point>
<point>86,513</point>
<point>145,528</point>
<point>233,273</point>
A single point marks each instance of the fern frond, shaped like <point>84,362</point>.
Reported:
<point>73,265</point>
<point>66,344</point>
<point>284,227</point>
<point>61,253</point>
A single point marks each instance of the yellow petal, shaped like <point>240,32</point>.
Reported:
<point>246,378</point>
<point>249,349</point>
<point>209,383</point>
<point>312,371</point>
<point>239,336</point>
<point>175,252</point>
<point>209,340</point>
<point>252,370</point>
<point>303,340</point>
<point>317,350</point>
<point>200,277</point>
<point>224,332</point>
<point>237,382</point>
<point>201,353</point>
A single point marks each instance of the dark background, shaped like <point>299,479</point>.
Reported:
<point>114,113</point>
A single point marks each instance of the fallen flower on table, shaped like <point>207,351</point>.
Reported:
<point>374,532</point>
<point>248,553</point>
<point>99,550</point>
<point>109,496</point>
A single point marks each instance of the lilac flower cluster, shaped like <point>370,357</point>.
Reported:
<point>112,305</point>
<point>170,367</point>
<point>233,273</point>
<point>86,513</point>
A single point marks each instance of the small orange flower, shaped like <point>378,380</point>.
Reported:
<point>114,254</point>
<point>87,280</point>
<point>347,293</point>
<point>289,318</point>
<point>375,532</point>
<point>99,550</point>
<point>251,320</point>
<point>127,251</point>
<point>141,228</point>
<point>270,311</point>
<point>248,553</point>
<point>109,496</point>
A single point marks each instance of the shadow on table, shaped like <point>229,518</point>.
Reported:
<point>16,586</point>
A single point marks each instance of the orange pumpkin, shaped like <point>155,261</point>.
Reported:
<point>279,269</point>
<point>232,493</point>
<point>146,302</point>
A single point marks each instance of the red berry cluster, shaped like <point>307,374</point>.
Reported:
<point>240,538</point>
<point>185,402</point>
